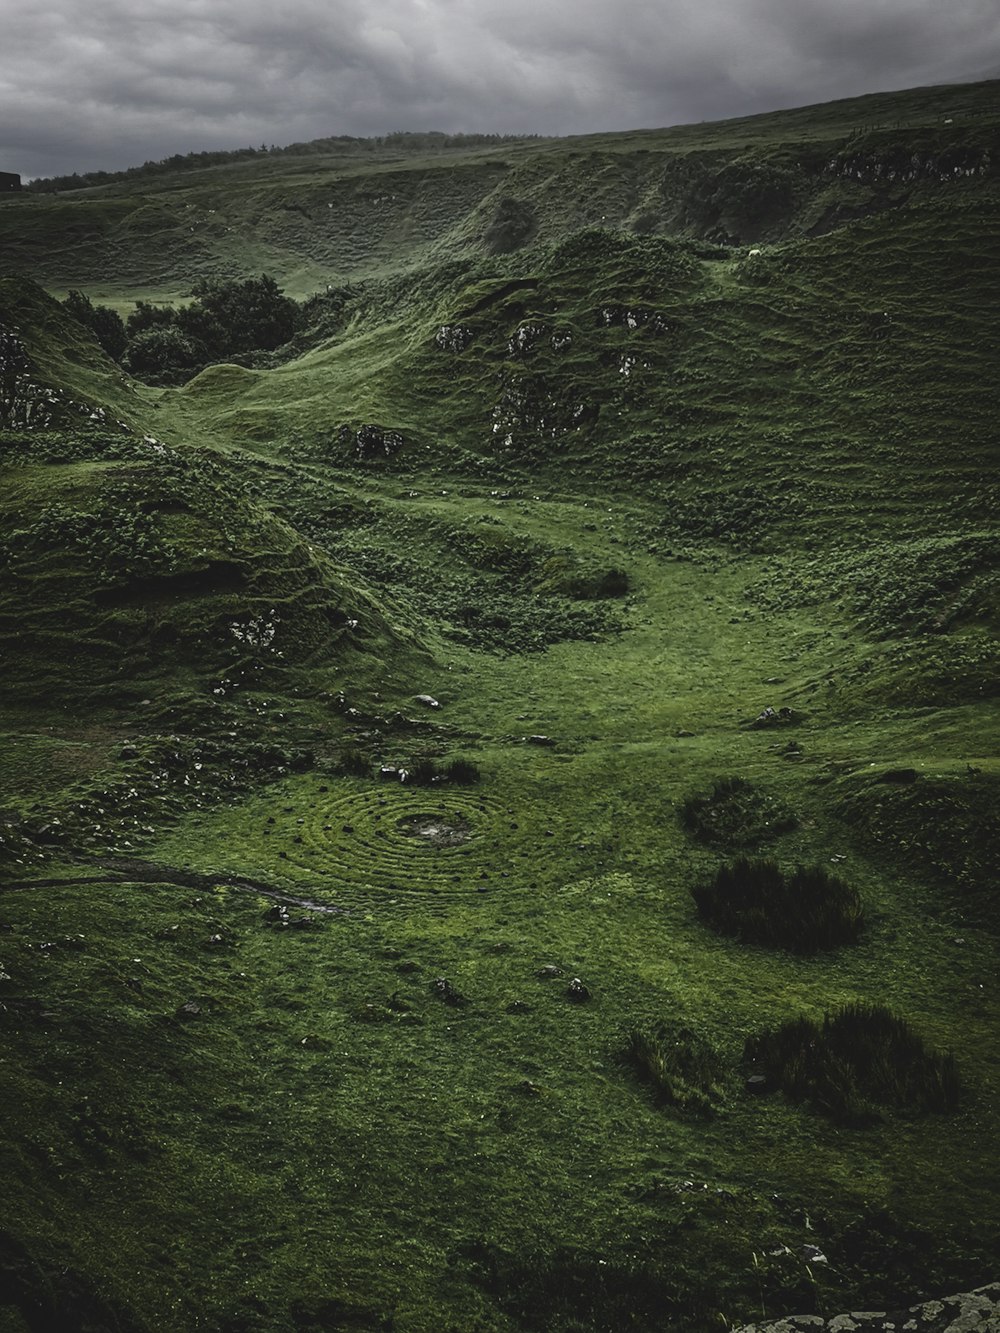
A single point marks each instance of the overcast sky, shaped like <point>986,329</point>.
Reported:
<point>88,84</point>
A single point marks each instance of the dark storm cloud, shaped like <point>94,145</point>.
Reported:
<point>112,83</point>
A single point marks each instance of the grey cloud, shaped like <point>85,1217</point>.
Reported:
<point>119,81</point>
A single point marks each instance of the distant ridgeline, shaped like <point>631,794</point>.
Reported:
<point>399,141</point>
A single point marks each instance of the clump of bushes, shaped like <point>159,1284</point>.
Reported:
<point>225,320</point>
<point>735,813</point>
<point>684,1071</point>
<point>804,911</point>
<point>857,1060</point>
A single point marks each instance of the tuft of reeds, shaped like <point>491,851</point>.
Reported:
<point>804,911</point>
<point>859,1059</point>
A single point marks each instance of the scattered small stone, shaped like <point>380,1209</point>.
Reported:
<point>190,1009</point>
<point>348,828</point>
<point>539,740</point>
<point>306,923</point>
<point>548,971</point>
<point>128,752</point>
<point>813,1254</point>
<point>427,700</point>
<point>757,1084</point>
<point>577,991</point>
<point>518,1007</point>
<point>682,732</point>
<point>445,991</point>
<point>528,1089</point>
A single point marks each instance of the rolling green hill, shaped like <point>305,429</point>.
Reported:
<point>635,495</point>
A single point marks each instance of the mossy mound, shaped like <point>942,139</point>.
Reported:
<point>856,1062</point>
<point>120,571</point>
<point>53,373</point>
<point>945,823</point>
<point>735,813</point>
<point>805,911</point>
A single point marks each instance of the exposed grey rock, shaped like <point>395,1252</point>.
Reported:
<point>971,1312</point>
<point>445,991</point>
<point>427,700</point>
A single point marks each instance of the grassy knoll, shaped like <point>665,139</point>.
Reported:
<point>691,554</point>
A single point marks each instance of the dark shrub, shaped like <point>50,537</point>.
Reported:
<point>162,350</point>
<point>354,763</point>
<point>421,773</point>
<point>462,772</point>
<point>735,814</point>
<point>684,1071</point>
<point>858,1059</point>
<point>804,911</point>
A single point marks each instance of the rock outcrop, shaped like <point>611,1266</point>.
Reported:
<point>972,1312</point>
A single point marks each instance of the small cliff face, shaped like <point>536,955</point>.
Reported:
<point>972,1312</point>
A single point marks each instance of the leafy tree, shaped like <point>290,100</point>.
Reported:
<point>232,317</point>
<point>103,322</point>
<point>162,349</point>
<point>148,316</point>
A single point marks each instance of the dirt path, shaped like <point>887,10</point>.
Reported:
<point>131,870</point>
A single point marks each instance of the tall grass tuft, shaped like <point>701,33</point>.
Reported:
<point>805,911</point>
<point>857,1060</point>
<point>684,1071</point>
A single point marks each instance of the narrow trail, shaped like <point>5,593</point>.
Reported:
<point>132,870</point>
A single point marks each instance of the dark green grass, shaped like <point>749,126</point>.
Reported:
<point>805,910</point>
<point>857,1061</point>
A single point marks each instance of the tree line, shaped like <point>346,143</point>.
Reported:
<point>398,141</point>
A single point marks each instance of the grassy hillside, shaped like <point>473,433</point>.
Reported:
<point>661,566</point>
